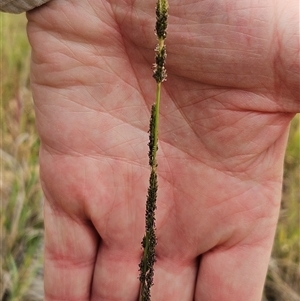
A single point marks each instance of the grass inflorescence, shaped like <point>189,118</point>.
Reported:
<point>149,240</point>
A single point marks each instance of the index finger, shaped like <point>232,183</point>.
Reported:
<point>70,254</point>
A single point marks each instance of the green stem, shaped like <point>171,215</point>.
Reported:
<point>156,114</point>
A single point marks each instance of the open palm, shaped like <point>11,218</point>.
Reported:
<point>231,92</point>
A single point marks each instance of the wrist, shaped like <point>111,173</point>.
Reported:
<point>19,6</point>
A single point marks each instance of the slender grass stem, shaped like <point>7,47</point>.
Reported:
<point>149,240</point>
<point>157,106</point>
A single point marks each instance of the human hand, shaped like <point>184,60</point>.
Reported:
<point>231,92</point>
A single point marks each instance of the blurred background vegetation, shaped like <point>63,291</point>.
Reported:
<point>21,221</point>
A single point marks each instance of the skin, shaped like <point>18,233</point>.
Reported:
<point>232,90</point>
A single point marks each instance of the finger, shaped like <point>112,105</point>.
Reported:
<point>116,274</point>
<point>70,251</point>
<point>234,274</point>
<point>174,280</point>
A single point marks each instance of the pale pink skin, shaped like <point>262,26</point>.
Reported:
<point>232,90</point>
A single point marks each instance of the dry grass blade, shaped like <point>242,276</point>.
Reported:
<point>21,198</point>
<point>281,289</point>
